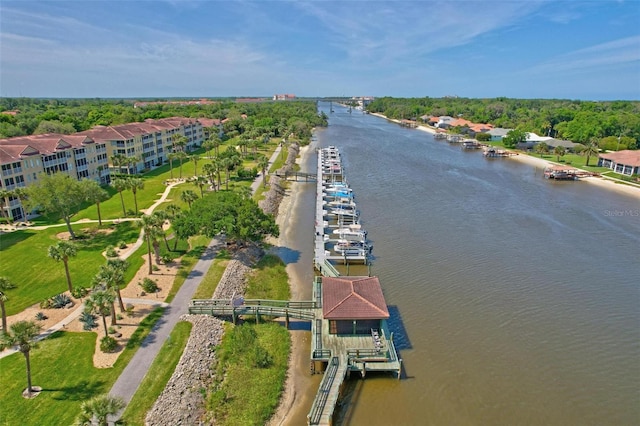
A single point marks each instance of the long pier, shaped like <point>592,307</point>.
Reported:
<point>335,352</point>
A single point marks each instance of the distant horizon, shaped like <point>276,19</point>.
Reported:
<point>269,97</point>
<point>518,49</point>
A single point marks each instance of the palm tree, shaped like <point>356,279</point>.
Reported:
<point>559,151</point>
<point>149,226</point>
<point>111,276</point>
<point>97,195</point>
<point>119,160</point>
<point>195,158</point>
<point>210,170</point>
<point>131,161</point>
<point>134,185</point>
<point>120,185</point>
<point>218,167</point>
<point>179,142</point>
<point>100,302</point>
<point>188,197</point>
<point>171,157</point>
<point>62,251</point>
<point>98,409</point>
<point>591,150</point>
<point>541,148</point>
<point>181,156</point>
<point>160,217</point>
<point>4,202</point>
<point>263,163</point>
<point>5,285</point>
<point>201,182</point>
<point>22,335</point>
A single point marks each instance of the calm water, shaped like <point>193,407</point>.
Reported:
<point>515,300</point>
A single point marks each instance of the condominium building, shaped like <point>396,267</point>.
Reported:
<point>23,158</point>
<point>148,143</point>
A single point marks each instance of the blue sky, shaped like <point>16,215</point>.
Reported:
<point>479,48</point>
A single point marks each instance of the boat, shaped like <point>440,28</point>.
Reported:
<point>560,173</point>
<point>352,248</point>
<point>351,234</point>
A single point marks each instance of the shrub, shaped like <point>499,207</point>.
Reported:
<point>166,258</point>
<point>129,310</point>
<point>155,268</point>
<point>79,292</point>
<point>46,304</point>
<point>88,321</point>
<point>119,317</point>
<point>483,137</point>
<point>59,301</point>
<point>40,316</point>
<point>108,344</point>
<point>111,252</point>
<point>149,286</point>
<point>122,245</point>
<point>112,330</point>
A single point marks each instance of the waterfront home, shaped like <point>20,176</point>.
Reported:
<point>626,162</point>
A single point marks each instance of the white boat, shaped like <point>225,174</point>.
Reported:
<point>352,248</point>
<point>350,234</point>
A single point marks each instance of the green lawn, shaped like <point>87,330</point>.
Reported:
<point>26,263</point>
<point>63,366</point>
<point>159,374</point>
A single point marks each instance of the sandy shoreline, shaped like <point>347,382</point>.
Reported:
<point>295,382</point>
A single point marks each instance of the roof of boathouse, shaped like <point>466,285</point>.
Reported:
<point>353,298</point>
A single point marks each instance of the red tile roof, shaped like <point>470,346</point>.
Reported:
<point>626,157</point>
<point>345,298</point>
<point>13,149</point>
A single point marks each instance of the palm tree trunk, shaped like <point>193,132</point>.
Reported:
<point>124,212</point>
<point>171,168</point>
<point>99,216</point>
<point>149,253</point>
<point>135,201</point>
<point>29,388</point>
<point>66,270</point>
<point>113,314</point>
<point>4,316</point>
<point>104,322</point>
<point>120,298</point>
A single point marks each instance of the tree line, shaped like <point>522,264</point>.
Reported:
<point>615,124</point>
<point>66,116</point>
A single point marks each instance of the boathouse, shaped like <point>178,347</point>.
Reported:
<point>353,305</point>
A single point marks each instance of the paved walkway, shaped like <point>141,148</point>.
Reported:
<point>131,377</point>
<point>78,310</point>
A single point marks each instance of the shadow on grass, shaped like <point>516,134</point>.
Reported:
<point>13,237</point>
<point>80,391</point>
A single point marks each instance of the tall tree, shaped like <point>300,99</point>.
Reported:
<point>263,163</point>
<point>57,194</point>
<point>559,151</point>
<point>61,252</point>
<point>591,150</point>
<point>130,162</point>
<point>172,156</point>
<point>111,276</point>
<point>188,197</point>
<point>195,158</point>
<point>119,160</point>
<point>98,409</point>
<point>210,171</point>
<point>5,284</point>
<point>181,156</point>
<point>200,182</point>
<point>100,302</point>
<point>96,195</point>
<point>4,203</point>
<point>149,226</point>
<point>179,142</point>
<point>22,335</point>
<point>120,185</point>
<point>134,185</point>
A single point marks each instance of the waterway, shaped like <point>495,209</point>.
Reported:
<point>514,300</point>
